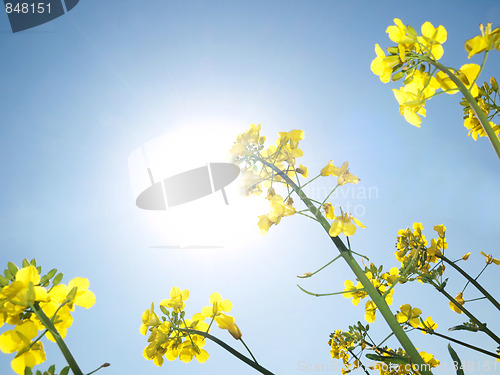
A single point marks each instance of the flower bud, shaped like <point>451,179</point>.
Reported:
<point>494,84</point>
<point>234,330</point>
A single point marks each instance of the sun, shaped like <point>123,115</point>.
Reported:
<point>204,222</point>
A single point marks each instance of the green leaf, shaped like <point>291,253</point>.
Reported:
<point>456,360</point>
<point>57,279</point>
<point>64,371</point>
<point>12,268</point>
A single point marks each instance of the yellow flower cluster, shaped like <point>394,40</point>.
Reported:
<point>404,60</point>
<point>171,337</point>
<point>340,345</point>
<point>24,289</point>
<point>357,293</point>
<point>413,251</point>
<point>411,316</point>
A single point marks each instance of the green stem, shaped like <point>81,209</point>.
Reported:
<point>472,281</point>
<point>361,276</point>
<point>234,352</point>
<point>328,294</point>
<point>60,342</point>
<point>462,343</point>
<point>482,326</point>
<point>248,350</point>
<point>315,272</point>
<point>478,112</point>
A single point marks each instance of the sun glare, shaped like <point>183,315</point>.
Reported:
<point>204,222</point>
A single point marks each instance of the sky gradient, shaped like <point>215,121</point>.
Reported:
<point>84,91</point>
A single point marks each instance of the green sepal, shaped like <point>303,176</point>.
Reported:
<point>33,262</point>
<point>456,360</point>
<point>27,371</point>
<point>31,292</point>
<point>164,310</point>
<point>397,76</point>
<point>12,269</point>
<point>26,263</point>
<point>494,84</point>
<point>58,278</point>
<point>4,281</point>
<point>72,294</point>
<point>52,370</point>
<point>64,371</point>
<point>393,50</point>
<point>411,31</point>
<point>8,275</point>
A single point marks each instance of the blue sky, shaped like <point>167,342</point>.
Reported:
<point>82,92</point>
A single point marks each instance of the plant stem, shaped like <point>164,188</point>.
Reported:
<point>472,281</point>
<point>328,294</point>
<point>60,342</point>
<point>478,112</point>
<point>326,265</point>
<point>353,264</point>
<point>482,326</point>
<point>462,343</point>
<point>234,352</point>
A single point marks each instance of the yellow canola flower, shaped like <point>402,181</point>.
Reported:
<point>227,322</point>
<point>401,34</point>
<point>466,256</point>
<point>489,259</point>
<point>343,224</point>
<point>278,210</point>
<point>149,319</point>
<point>19,339</point>
<point>409,315</point>
<point>218,306</point>
<point>302,170</point>
<point>176,300</point>
<point>343,174</point>
<point>431,40</point>
<point>467,73</point>
<point>487,41</point>
<point>356,295</point>
<point>382,65</point>
<point>460,299</point>
<point>370,311</point>
<point>428,325</point>
<point>391,276</point>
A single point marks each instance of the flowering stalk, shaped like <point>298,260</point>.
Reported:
<point>60,342</point>
<point>482,326</point>
<point>369,288</point>
<point>461,343</point>
<point>472,281</point>
<point>234,352</point>
<point>478,112</point>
